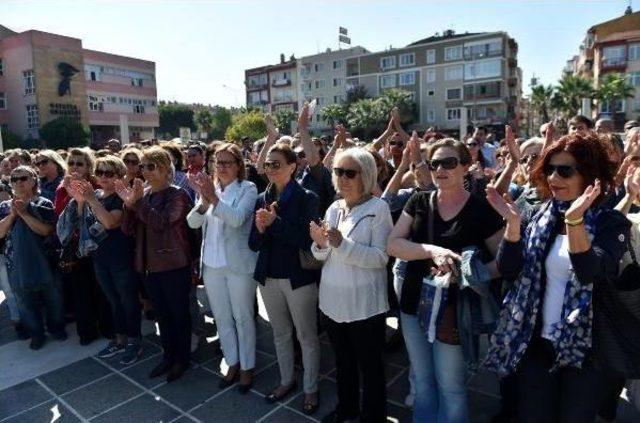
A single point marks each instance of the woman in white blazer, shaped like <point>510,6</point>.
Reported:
<point>224,210</point>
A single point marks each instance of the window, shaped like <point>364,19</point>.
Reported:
<point>605,107</point>
<point>28,82</point>
<point>431,115</point>
<point>453,114</point>
<point>320,101</point>
<point>338,98</point>
<point>135,82</point>
<point>431,75</point>
<point>452,53</point>
<point>634,79</point>
<point>337,82</point>
<point>388,62</point>
<point>485,69</point>
<point>320,83</point>
<point>257,80</point>
<point>254,97</point>
<point>407,59</point>
<point>454,94</point>
<point>636,105</point>
<point>95,105</point>
<point>319,118</point>
<point>138,109</point>
<point>1,67</point>
<point>407,78</point>
<point>431,93</point>
<point>337,64</point>
<point>431,57</point>
<point>3,101</point>
<point>318,67</point>
<point>612,56</point>
<point>634,54</point>
<point>387,81</point>
<point>494,48</point>
<point>33,121</point>
<point>452,73</point>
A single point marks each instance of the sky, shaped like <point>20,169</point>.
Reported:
<point>201,48</point>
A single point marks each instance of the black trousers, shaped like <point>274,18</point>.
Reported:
<point>612,389</point>
<point>93,312</point>
<point>566,395</point>
<point>169,293</point>
<point>358,347</point>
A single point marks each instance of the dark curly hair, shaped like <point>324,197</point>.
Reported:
<point>592,155</point>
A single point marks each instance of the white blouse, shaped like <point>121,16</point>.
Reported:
<point>214,254</point>
<point>354,276</point>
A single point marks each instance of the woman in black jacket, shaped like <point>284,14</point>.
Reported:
<point>280,233</point>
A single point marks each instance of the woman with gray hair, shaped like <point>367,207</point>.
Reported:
<point>353,289</point>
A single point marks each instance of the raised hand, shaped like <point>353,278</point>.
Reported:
<point>514,150</point>
<point>413,145</point>
<point>266,216</point>
<point>272,130</point>
<point>124,192</point>
<point>334,236</point>
<point>19,207</point>
<point>303,117</point>
<point>75,190</point>
<point>206,188</point>
<point>86,191</point>
<point>632,181</point>
<point>138,190</point>
<point>406,157</point>
<point>504,205</point>
<point>341,136</point>
<point>318,234</point>
<point>632,147</point>
<point>581,204</point>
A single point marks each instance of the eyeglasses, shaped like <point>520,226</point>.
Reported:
<point>105,173</point>
<point>564,171</point>
<point>529,158</point>
<point>42,162</point>
<point>274,165</point>
<point>398,143</point>
<point>447,163</point>
<point>15,179</point>
<point>149,167</point>
<point>76,164</point>
<point>224,163</point>
<point>471,144</point>
<point>131,162</point>
<point>349,173</point>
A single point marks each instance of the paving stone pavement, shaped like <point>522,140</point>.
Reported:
<point>102,390</point>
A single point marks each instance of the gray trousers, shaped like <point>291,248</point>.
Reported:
<point>287,307</point>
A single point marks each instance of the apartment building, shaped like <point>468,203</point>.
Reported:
<point>323,77</point>
<point>612,47</point>
<point>448,74</point>
<point>44,76</point>
<point>273,88</point>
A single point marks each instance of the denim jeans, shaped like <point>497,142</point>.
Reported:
<point>120,286</point>
<point>30,303</point>
<point>440,376</point>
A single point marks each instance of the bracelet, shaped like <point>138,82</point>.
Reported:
<point>575,222</point>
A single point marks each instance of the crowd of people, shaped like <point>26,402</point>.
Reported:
<point>522,243</point>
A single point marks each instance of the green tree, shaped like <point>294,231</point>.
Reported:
<point>569,94</point>
<point>368,117</point>
<point>62,133</point>
<point>401,99</point>
<point>334,114</point>
<point>203,119</point>
<point>10,140</point>
<point>172,117</point>
<point>222,118</point>
<point>541,100</point>
<point>249,124</point>
<point>613,88</point>
<point>355,93</point>
<point>284,119</point>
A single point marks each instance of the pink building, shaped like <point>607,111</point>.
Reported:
<point>44,76</point>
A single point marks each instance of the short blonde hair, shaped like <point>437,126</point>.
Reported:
<point>88,157</point>
<point>115,163</point>
<point>160,157</point>
<point>366,162</point>
<point>61,164</point>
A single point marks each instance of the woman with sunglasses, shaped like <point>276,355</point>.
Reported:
<point>113,260</point>
<point>26,222</point>
<point>131,158</point>
<point>353,288</point>
<point>430,234</point>
<point>558,258</point>
<point>280,235</point>
<point>157,218</point>
<point>224,211</point>
<point>91,308</point>
<point>51,169</point>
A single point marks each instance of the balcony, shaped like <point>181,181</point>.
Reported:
<point>512,82</point>
<point>614,63</point>
<point>281,83</point>
<point>482,54</point>
<point>251,86</point>
<point>513,62</point>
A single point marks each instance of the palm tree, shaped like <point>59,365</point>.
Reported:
<point>569,93</point>
<point>613,88</point>
<point>334,114</point>
<point>541,100</point>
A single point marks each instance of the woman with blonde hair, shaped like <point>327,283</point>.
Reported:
<point>51,168</point>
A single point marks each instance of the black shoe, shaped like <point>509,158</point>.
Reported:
<point>21,332</point>
<point>161,368</point>
<point>243,389</point>
<point>176,371</point>
<point>36,342</point>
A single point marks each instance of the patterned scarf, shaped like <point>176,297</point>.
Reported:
<point>571,336</point>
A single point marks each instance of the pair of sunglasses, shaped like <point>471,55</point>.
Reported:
<point>398,143</point>
<point>564,171</point>
<point>149,167</point>
<point>472,144</point>
<point>76,164</point>
<point>15,179</point>
<point>447,163</point>
<point>349,173</point>
<point>42,162</point>
<point>273,165</point>
<point>530,158</point>
<point>105,173</point>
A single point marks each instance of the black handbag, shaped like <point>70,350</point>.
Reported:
<point>616,321</point>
